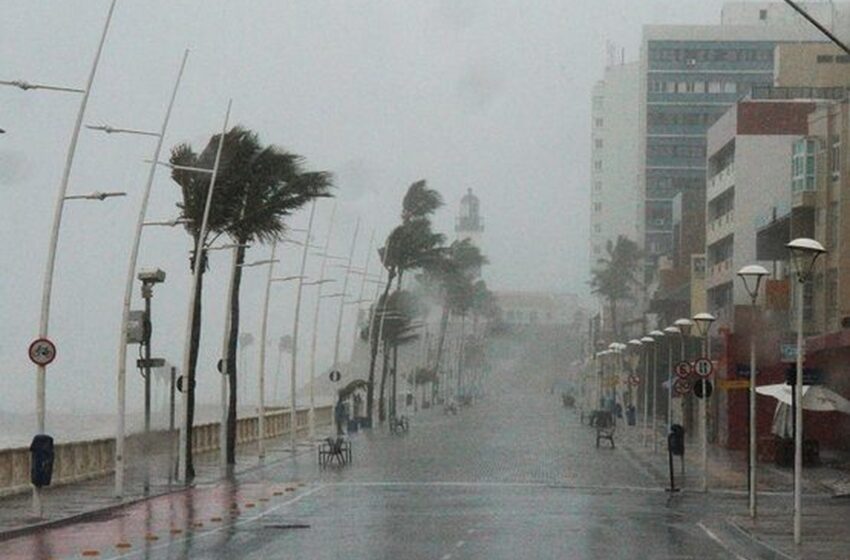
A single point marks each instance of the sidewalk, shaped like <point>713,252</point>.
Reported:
<point>79,500</point>
<point>826,502</point>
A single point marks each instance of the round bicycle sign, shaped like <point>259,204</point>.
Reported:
<point>682,386</point>
<point>703,367</point>
<point>42,351</point>
<point>683,370</point>
<point>335,376</point>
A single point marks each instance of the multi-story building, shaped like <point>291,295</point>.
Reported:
<point>749,171</point>
<point>690,75</point>
<point>614,197</point>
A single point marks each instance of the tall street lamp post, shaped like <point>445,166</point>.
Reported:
<point>804,254</point>
<point>648,343</point>
<point>657,336</point>
<point>670,332</point>
<point>703,322</point>
<point>131,269</point>
<point>752,276</point>
<point>61,197</point>
<point>634,359</point>
<point>184,473</point>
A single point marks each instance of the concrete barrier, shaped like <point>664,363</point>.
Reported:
<point>82,460</point>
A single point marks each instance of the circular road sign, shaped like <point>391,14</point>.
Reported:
<point>703,367</point>
<point>683,370</point>
<point>42,351</point>
<point>220,365</point>
<point>682,386</point>
<point>335,376</point>
<point>634,380</point>
<point>698,388</point>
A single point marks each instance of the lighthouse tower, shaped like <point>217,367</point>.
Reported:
<point>470,224</point>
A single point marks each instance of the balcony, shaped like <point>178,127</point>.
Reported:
<point>803,199</point>
<point>720,227</point>
<point>721,181</point>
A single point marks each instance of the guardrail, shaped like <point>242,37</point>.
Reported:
<point>83,460</point>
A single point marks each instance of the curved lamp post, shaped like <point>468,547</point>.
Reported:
<point>703,322</point>
<point>752,276</point>
<point>634,346</point>
<point>804,254</point>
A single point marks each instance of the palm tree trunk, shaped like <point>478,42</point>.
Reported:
<point>193,364</point>
<point>444,324</point>
<point>393,412</point>
<point>232,349</point>
<point>613,304</point>
<point>375,340</point>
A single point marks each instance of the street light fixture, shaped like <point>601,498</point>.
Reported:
<point>804,254</point>
<point>169,223</point>
<point>658,336</point>
<point>670,332</point>
<point>47,287</point>
<point>96,195</point>
<point>647,342</point>
<point>751,276</point>
<point>703,322</point>
<point>114,130</point>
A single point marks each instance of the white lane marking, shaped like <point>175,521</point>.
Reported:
<point>716,539</point>
<point>460,544</point>
<point>505,484</point>
<point>222,527</point>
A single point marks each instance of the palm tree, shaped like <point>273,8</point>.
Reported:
<point>411,245</point>
<point>257,189</point>
<point>262,186</point>
<point>616,276</point>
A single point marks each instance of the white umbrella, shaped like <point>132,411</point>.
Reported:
<point>815,397</point>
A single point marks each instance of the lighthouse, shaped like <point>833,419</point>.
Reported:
<point>470,224</point>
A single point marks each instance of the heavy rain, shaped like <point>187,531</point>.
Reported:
<point>434,279</point>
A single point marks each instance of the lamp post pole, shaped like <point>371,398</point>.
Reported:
<point>703,322</point>
<point>261,414</point>
<point>128,287</point>
<point>47,287</point>
<point>648,343</point>
<point>293,419</point>
<point>197,266</point>
<point>670,332</point>
<point>315,333</point>
<point>804,253</point>
<point>657,336</point>
<point>752,276</point>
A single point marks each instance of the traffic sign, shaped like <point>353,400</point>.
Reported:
<point>684,370</point>
<point>335,376</point>
<point>42,351</point>
<point>698,388</point>
<point>142,363</point>
<point>789,353</point>
<point>220,365</point>
<point>682,386</point>
<point>703,367</point>
<point>634,380</point>
<point>729,384</point>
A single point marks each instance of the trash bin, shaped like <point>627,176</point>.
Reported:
<point>41,464</point>
<point>676,440</point>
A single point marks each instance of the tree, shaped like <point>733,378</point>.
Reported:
<point>616,276</point>
<point>411,245</point>
<point>262,186</point>
<point>257,189</point>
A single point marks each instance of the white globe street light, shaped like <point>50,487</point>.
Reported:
<point>752,276</point>
<point>804,254</point>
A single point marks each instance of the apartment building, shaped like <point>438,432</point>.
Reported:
<point>615,199</point>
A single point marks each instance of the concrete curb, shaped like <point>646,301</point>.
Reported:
<point>752,537</point>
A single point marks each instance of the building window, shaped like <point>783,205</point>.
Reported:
<point>598,123</point>
<point>825,59</point>
<point>803,165</point>
<point>832,225</point>
<point>831,294</point>
<point>598,143</point>
<point>597,228</point>
<point>597,207</point>
<point>763,15</point>
<point>597,165</point>
<point>597,186</point>
<point>835,158</point>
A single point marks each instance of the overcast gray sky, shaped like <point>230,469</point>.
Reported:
<point>492,95</point>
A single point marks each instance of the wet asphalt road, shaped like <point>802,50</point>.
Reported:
<point>515,476</point>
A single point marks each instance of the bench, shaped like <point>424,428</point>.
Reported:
<point>334,449</point>
<point>605,426</point>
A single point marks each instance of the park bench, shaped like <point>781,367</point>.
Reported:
<point>334,449</point>
<point>605,426</point>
